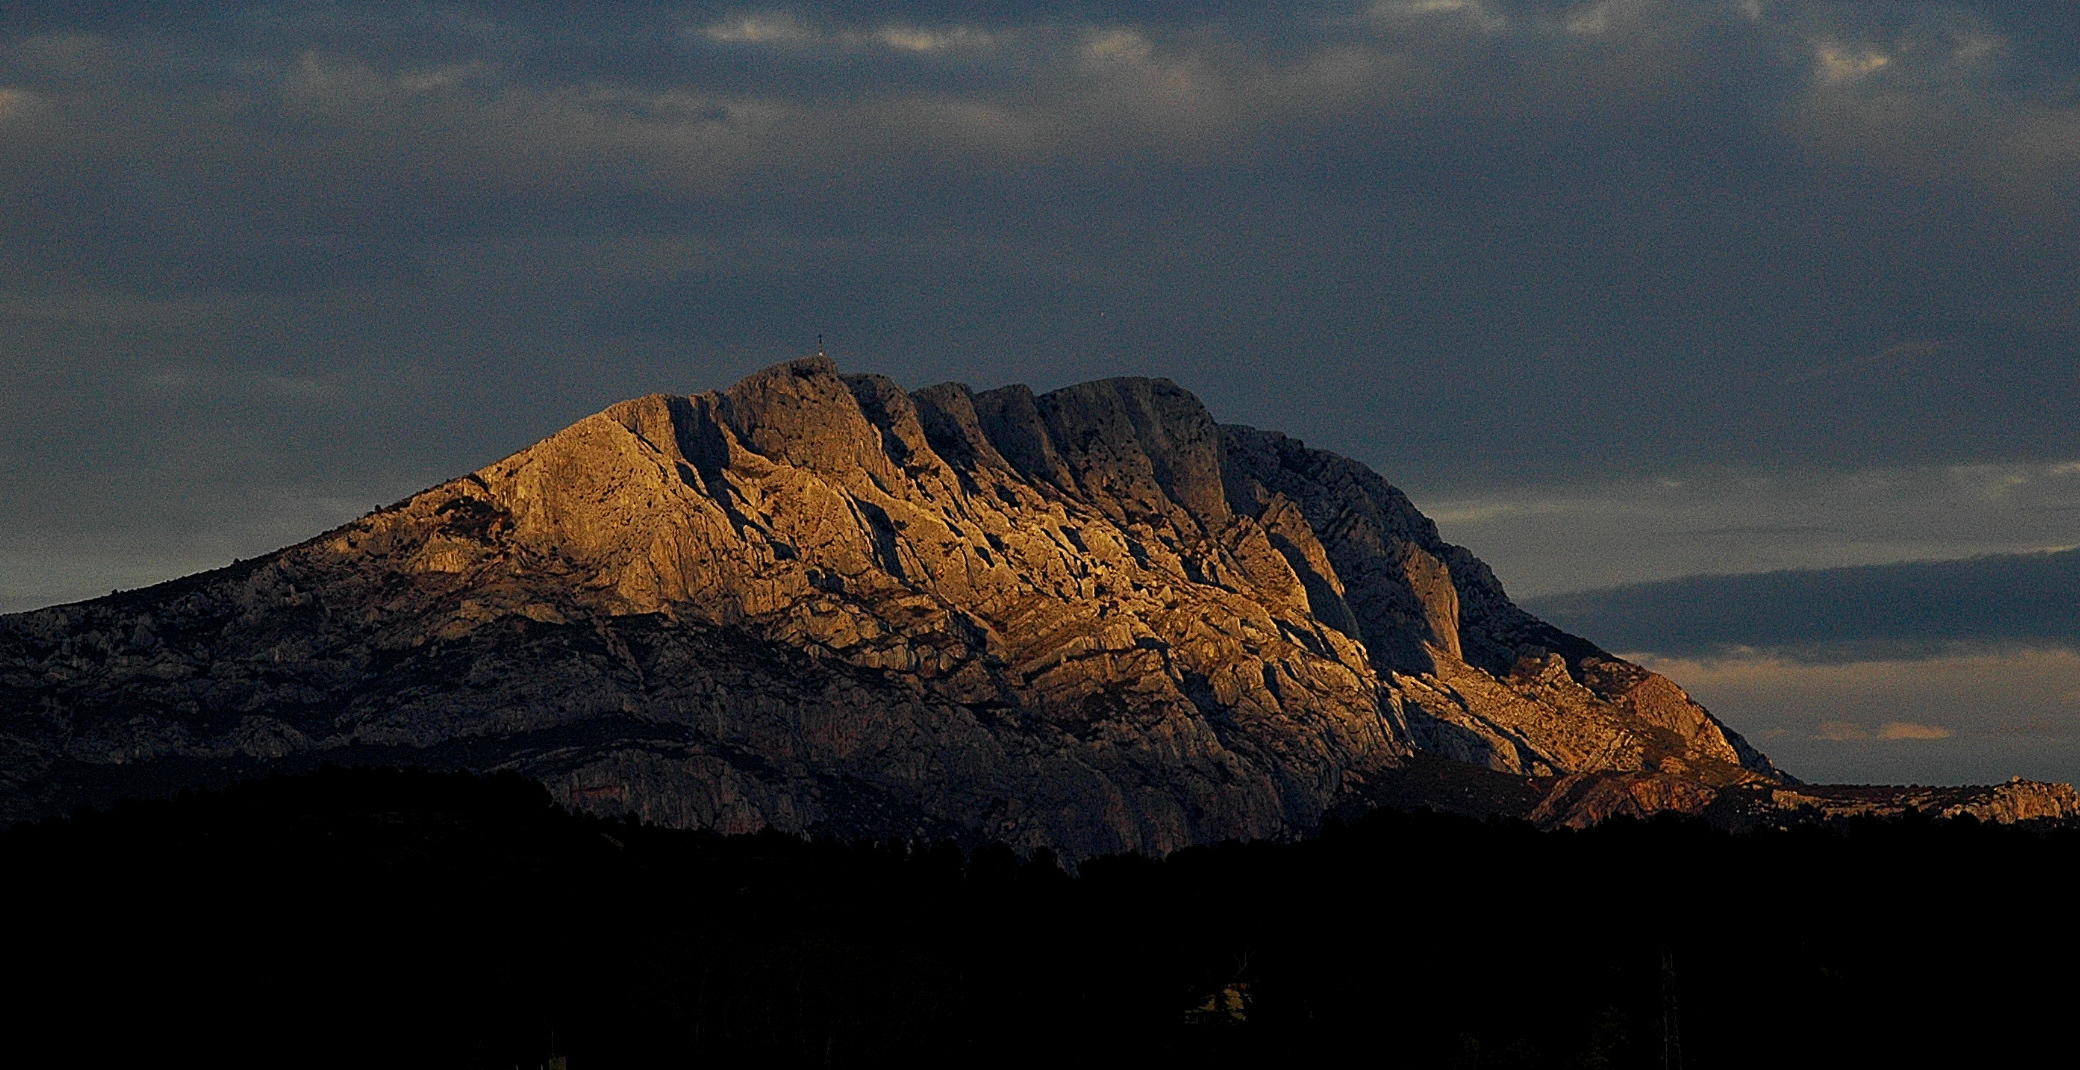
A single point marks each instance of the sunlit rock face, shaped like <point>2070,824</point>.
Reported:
<point>1092,619</point>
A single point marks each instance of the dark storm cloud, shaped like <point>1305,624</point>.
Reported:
<point>1909,611</point>
<point>258,259</point>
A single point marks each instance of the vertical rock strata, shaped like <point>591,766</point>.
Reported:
<point>1092,619</point>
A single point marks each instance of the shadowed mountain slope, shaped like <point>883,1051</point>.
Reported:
<point>1092,619</point>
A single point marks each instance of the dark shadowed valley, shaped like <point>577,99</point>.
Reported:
<point>357,917</point>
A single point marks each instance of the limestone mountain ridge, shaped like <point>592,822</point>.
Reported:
<point>1092,619</point>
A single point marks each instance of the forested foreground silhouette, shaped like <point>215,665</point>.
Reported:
<point>414,918</point>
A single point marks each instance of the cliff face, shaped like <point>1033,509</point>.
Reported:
<point>1092,619</point>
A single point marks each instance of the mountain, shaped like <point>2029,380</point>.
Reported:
<point>1092,619</point>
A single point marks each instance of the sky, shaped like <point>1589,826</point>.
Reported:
<point>1623,292</point>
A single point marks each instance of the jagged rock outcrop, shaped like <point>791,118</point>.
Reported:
<point>2014,800</point>
<point>1092,619</point>
<point>1582,799</point>
<point>1480,680</point>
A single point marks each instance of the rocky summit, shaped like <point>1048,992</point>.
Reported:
<point>1093,619</point>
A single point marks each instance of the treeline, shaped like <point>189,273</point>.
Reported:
<point>405,918</point>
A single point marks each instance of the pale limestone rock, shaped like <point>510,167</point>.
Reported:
<point>1091,619</point>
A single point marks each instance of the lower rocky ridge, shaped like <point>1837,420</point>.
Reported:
<point>1584,799</point>
<point>669,721</point>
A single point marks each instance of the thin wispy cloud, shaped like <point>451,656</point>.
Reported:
<point>785,29</point>
<point>1889,732</point>
<point>1904,351</point>
<point>1972,717</point>
<point>1907,730</point>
